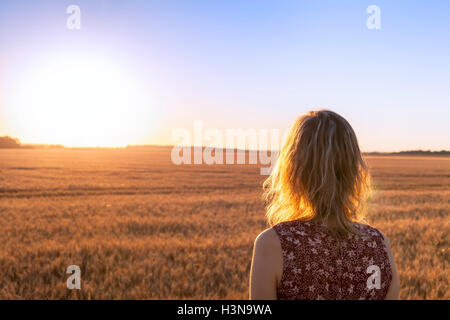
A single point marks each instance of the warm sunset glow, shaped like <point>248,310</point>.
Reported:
<point>81,101</point>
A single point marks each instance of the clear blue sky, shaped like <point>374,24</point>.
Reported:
<point>253,64</point>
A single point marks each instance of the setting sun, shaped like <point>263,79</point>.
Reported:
<point>81,101</point>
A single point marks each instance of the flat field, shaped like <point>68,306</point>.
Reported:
<point>141,227</point>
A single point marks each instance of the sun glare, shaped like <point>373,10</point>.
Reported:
<point>81,102</point>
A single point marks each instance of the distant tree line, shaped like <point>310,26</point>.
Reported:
<point>413,153</point>
<point>419,152</point>
<point>7,142</point>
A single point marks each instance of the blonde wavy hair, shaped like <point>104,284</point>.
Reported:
<point>320,175</point>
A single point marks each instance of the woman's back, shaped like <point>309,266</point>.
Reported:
<point>318,266</point>
<point>320,176</point>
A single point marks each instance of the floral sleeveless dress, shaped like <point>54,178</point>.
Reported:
<point>318,266</point>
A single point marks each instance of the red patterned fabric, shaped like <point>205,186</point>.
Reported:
<point>318,266</point>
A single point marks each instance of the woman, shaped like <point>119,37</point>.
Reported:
<point>317,247</point>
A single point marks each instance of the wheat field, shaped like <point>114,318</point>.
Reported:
<point>141,227</point>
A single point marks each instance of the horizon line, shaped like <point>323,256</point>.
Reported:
<point>61,146</point>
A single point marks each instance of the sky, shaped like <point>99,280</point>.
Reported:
<point>136,71</point>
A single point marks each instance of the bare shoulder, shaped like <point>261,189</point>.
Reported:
<point>268,251</point>
<point>267,265</point>
<point>268,237</point>
<point>268,241</point>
